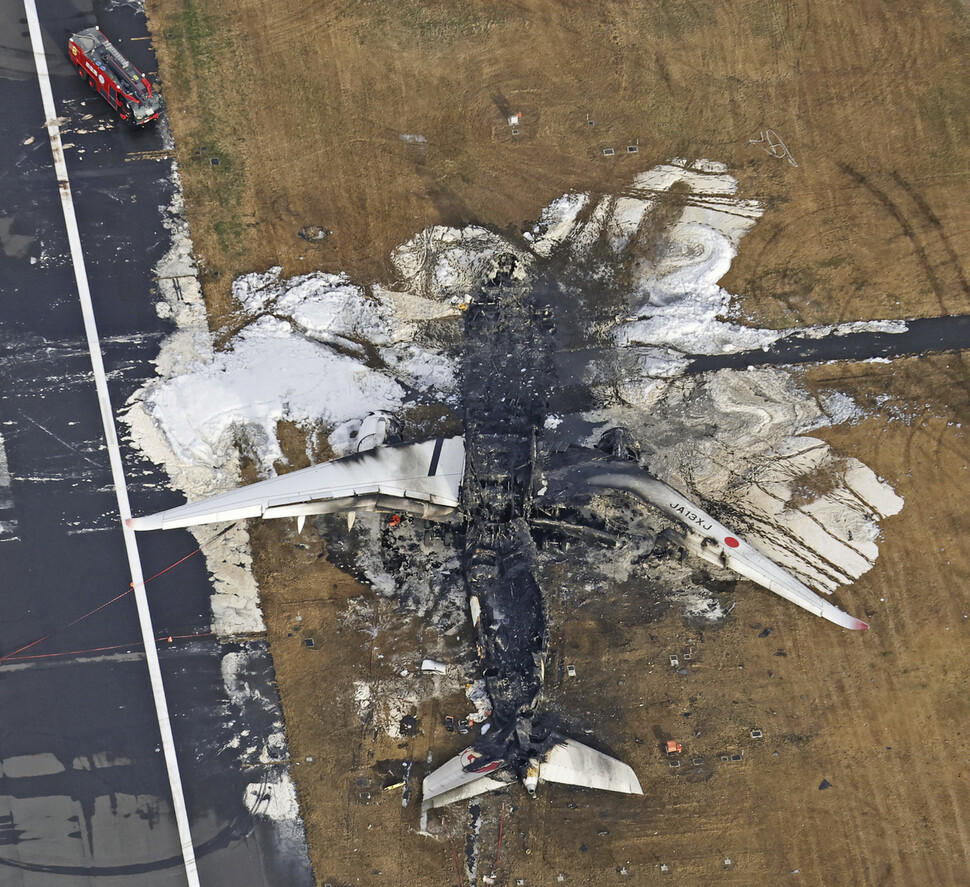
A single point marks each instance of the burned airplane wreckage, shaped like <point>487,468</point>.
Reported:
<point>504,484</point>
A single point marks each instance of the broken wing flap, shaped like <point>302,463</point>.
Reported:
<point>568,762</point>
<point>382,502</point>
<point>575,531</point>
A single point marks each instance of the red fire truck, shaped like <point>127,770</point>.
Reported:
<point>113,76</point>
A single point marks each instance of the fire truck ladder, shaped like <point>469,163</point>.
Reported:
<point>119,66</point>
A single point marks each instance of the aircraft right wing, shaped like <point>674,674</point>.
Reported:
<point>702,535</point>
<point>715,543</point>
<point>421,479</point>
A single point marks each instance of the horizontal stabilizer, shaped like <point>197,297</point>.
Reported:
<point>568,762</point>
<point>453,781</point>
<point>572,763</point>
<point>422,478</point>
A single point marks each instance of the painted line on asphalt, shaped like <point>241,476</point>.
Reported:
<point>114,451</point>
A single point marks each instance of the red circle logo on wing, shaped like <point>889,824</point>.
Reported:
<point>731,542</point>
<point>468,758</point>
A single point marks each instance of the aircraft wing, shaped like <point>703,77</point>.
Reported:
<point>702,535</point>
<point>422,479</point>
<point>715,543</point>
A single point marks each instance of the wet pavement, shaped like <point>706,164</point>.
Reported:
<point>926,335</point>
<point>84,793</point>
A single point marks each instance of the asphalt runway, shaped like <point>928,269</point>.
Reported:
<point>85,798</point>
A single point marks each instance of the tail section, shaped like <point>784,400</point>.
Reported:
<point>567,762</point>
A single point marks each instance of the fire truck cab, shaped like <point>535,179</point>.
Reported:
<point>113,77</point>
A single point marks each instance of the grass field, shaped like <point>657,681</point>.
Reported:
<point>865,180</point>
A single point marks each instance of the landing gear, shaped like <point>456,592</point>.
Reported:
<point>620,443</point>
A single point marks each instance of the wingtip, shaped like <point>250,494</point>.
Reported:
<point>860,625</point>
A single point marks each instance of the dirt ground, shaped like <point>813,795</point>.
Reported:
<point>375,119</point>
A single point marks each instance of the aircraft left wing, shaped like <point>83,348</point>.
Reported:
<point>421,479</point>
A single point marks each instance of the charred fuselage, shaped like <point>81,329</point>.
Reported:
<point>506,372</point>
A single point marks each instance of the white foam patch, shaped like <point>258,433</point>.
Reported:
<point>242,394</point>
<point>385,702</point>
<point>698,605</point>
<point>273,798</point>
<point>557,222</point>
<point>680,301</point>
<point>737,442</point>
<point>856,326</point>
<point>325,307</point>
<point>448,263</point>
<point>233,670</point>
<point>735,437</point>
<point>628,213</point>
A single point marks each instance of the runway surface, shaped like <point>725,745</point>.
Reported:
<point>84,793</point>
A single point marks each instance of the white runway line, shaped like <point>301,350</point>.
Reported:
<point>111,437</point>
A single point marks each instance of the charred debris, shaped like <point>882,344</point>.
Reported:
<point>508,375</point>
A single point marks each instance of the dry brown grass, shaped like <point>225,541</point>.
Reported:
<point>306,103</point>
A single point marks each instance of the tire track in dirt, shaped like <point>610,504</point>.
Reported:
<point>953,260</point>
<point>909,783</point>
<point>847,755</point>
<point>783,250</point>
<point>948,809</point>
<point>799,18</point>
<point>856,781</point>
<point>862,794</point>
<point>915,237</point>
